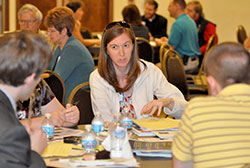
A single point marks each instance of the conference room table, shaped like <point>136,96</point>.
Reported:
<point>144,162</point>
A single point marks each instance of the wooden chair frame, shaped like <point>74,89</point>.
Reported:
<point>86,111</point>
<point>164,69</point>
<point>239,32</point>
<point>60,79</point>
<point>74,91</point>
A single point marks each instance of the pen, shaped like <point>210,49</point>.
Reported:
<point>75,103</point>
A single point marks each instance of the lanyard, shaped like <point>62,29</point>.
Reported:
<point>57,60</point>
<point>121,97</point>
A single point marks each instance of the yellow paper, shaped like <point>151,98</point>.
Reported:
<point>59,149</point>
<point>157,123</point>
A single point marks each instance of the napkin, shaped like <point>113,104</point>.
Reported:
<point>126,149</point>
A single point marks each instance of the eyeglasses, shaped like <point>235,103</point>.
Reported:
<point>27,21</point>
<point>121,23</point>
<point>51,31</point>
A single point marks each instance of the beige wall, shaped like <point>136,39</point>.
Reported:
<point>226,14</point>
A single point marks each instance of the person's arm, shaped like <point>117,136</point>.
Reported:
<point>162,28</point>
<point>209,31</point>
<point>169,97</point>
<point>100,99</point>
<point>86,42</point>
<point>72,115</point>
<point>61,116</point>
<point>157,106</point>
<point>179,164</point>
<point>15,148</point>
<point>38,140</point>
<point>53,105</point>
<point>175,35</point>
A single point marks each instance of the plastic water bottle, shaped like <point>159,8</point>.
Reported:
<point>48,126</point>
<point>118,135</point>
<point>116,117</point>
<point>88,140</point>
<point>126,120</point>
<point>97,124</point>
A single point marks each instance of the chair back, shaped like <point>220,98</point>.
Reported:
<point>86,33</point>
<point>163,49</point>
<point>210,44</point>
<point>56,84</point>
<point>241,34</point>
<point>173,69</point>
<point>145,50</point>
<point>80,96</point>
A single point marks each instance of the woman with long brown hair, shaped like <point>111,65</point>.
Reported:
<point>123,80</point>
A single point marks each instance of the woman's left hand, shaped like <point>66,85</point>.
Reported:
<point>153,106</point>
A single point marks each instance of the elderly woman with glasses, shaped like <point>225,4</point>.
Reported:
<point>123,80</point>
<point>71,59</point>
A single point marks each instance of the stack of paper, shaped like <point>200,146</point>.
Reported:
<point>60,149</point>
<point>105,163</point>
<point>164,128</point>
<point>157,124</point>
<point>165,134</point>
<point>165,153</point>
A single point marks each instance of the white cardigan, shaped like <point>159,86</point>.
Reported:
<point>150,82</point>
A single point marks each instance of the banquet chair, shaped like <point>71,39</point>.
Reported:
<point>56,84</point>
<point>198,83</point>
<point>163,49</point>
<point>241,34</point>
<point>145,50</point>
<point>80,96</point>
<point>173,69</point>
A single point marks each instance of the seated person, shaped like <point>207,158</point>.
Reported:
<point>30,18</point>
<point>23,56</point>
<point>122,78</point>
<point>214,130</point>
<point>156,24</point>
<point>46,102</point>
<point>77,7</point>
<point>205,28</point>
<point>132,16</point>
<point>71,59</point>
<point>183,36</point>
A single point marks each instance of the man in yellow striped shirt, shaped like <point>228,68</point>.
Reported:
<point>215,130</point>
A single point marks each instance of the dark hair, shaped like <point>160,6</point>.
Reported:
<point>60,17</point>
<point>182,3</point>
<point>105,64</point>
<point>152,2</point>
<point>21,54</point>
<point>74,5</point>
<point>228,63</point>
<point>132,15</point>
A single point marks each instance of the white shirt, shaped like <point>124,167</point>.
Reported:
<point>150,82</point>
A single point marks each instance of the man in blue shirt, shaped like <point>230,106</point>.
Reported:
<point>183,35</point>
